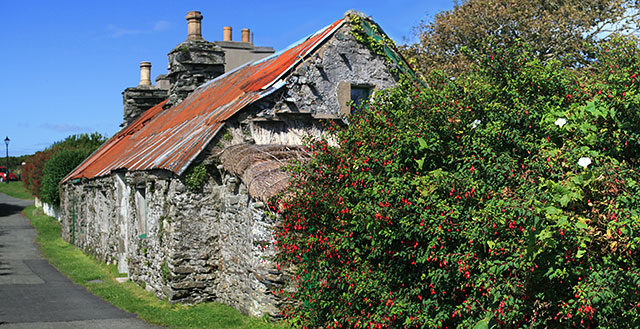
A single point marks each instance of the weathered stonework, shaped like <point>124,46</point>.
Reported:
<point>313,88</point>
<point>138,99</point>
<point>213,244</point>
<point>192,63</point>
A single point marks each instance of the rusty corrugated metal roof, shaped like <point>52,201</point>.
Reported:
<point>170,139</point>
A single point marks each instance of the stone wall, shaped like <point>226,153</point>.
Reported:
<point>191,64</point>
<point>213,244</point>
<point>313,92</point>
<point>313,87</point>
<point>138,99</point>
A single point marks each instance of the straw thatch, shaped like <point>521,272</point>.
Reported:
<point>261,166</point>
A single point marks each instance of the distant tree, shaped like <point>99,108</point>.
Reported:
<point>34,172</point>
<point>57,167</point>
<point>557,29</point>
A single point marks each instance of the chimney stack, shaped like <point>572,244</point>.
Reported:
<point>145,73</point>
<point>227,33</point>
<point>246,35</point>
<point>194,19</point>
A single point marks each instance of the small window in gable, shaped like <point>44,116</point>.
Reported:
<point>352,96</point>
<point>359,94</point>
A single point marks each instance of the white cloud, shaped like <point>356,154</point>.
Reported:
<point>116,32</point>
<point>64,127</point>
<point>160,26</point>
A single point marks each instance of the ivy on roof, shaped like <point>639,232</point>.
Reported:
<point>370,34</point>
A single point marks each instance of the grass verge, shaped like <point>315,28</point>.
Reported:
<point>128,296</point>
<point>16,190</point>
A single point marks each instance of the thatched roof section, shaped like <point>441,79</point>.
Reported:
<point>261,166</point>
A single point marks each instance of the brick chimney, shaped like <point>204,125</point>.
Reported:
<point>226,36</point>
<point>145,73</point>
<point>194,19</point>
<point>246,35</point>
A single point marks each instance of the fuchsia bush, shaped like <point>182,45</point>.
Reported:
<point>470,203</point>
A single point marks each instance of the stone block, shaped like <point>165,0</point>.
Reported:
<point>188,285</point>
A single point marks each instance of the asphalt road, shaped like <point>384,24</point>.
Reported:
<point>33,294</point>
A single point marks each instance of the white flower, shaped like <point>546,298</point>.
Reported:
<point>584,162</point>
<point>475,124</point>
<point>560,122</point>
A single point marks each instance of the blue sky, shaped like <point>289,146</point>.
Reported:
<point>66,63</point>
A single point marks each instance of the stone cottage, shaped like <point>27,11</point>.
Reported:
<point>176,198</point>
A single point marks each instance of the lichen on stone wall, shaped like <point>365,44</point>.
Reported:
<point>196,246</point>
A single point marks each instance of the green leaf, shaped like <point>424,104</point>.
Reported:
<point>564,200</point>
<point>581,225</point>
<point>423,144</point>
<point>551,211</point>
<point>482,324</point>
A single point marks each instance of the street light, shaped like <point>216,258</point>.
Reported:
<point>6,175</point>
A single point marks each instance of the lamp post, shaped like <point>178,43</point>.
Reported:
<point>6,174</point>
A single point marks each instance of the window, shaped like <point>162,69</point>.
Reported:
<point>351,96</point>
<point>359,94</point>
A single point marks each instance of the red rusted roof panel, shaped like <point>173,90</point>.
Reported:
<point>170,139</point>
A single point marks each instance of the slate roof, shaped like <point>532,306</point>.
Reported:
<point>172,138</point>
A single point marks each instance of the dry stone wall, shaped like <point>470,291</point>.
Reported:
<point>213,244</point>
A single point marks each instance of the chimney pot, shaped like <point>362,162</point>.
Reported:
<point>246,35</point>
<point>145,73</point>
<point>227,33</point>
<point>194,19</point>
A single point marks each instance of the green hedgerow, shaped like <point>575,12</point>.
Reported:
<point>33,169</point>
<point>56,168</point>
<point>507,198</point>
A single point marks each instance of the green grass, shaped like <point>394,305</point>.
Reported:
<point>16,190</point>
<point>128,296</point>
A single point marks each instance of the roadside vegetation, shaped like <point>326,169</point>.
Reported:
<point>504,198</point>
<point>16,190</point>
<point>84,270</point>
<point>43,171</point>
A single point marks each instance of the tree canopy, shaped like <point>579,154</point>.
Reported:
<point>555,29</point>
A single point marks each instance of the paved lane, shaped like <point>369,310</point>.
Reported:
<point>33,294</point>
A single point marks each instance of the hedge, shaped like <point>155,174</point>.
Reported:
<point>505,198</point>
